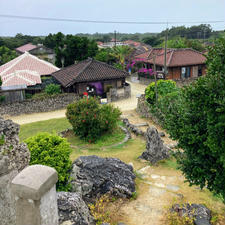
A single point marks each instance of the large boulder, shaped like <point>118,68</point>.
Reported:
<point>198,212</point>
<point>93,176</point>
<point>155,149</point>
<point>14,156</point>
<point>73,210</point>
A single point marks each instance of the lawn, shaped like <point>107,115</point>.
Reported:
<point>128,153</point>
<point>51,126</point>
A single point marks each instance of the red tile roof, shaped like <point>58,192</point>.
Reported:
<point>26,48</point>
<point>88,70</point>
<point>175,57</point>
<point>25,69</point>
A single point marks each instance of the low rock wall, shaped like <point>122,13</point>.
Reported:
<point>38,105</point>
<point>143,109</point>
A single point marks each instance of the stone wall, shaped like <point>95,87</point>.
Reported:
<point>38,105</point>
<point>143,109</point>
<point>14,156</point>
<point>116,94</point>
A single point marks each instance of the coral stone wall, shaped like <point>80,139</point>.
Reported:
<point>38,105</point>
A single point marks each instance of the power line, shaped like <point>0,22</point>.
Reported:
<point>108,22</point>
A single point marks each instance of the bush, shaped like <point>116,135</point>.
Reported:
<point>163,87</point>
<point>2,98</point>
<point>54,151</point>
<point>52,89</point>
<point>0,81</point>
<point>90,120</point>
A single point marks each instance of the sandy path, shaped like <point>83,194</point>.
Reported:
<point>124,105</point>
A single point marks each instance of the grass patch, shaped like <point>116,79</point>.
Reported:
<point>170,163</point>
<point>105,140</point>
<point>51,126</point>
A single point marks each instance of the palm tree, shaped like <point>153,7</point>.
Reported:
<point>121,53</point>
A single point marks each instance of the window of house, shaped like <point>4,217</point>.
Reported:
<point>185,72</point>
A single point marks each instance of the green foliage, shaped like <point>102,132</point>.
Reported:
<point>163,87</point>
<point>90,120</point>
<point>178,42</point>
<point>6,55</point>
<point>105,55</point>
<point>152,40</point>
<point>54,151</point>
<point>2,98</point>
<point>52,89</point>
<point>2,140</point>
<point>195,117</point>
<point>0,81</point>
<point>70,48</point>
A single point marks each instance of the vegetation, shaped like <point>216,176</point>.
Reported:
<point>50,126</point>
<point>106,55</point>
<point>54,151</point>
<point>0,81</point>
<point>2,99</point>
<point>163,87</point>
<point>90,120</point>
<point>70,48</point>
<point>52,89</point>
<point>178,42</point>
<point>6,55</point>
<point>195,117</point>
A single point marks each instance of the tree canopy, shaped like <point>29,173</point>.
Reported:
<point>6,55</point>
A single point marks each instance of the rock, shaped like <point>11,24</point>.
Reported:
<point>133,128</point>
<point>14,157</point>
<point>13,154</point>
<point>73,210</point>
<point>93,176</point>
<point>155,149</point>
<point>200,213</point>
<point>162,134</point>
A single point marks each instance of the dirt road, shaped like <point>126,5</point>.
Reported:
<point>124,105</point>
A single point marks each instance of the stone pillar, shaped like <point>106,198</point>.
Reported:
<point>36,200</point>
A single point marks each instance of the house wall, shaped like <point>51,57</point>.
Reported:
<point>82,87</point>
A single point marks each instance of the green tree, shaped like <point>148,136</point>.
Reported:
<point>122,53</point>
<point>200,126</point>
<point>152,40</point>
<point>105,55</point>
<point>6,55</point>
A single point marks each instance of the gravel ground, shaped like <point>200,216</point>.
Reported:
<point>124,105</point>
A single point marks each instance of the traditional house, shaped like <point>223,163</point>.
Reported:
<point>38,50</point>
<point>25,70</point>
<point>89,75</point>
<point>181,63</point>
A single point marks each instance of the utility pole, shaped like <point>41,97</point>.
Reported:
<point>155,76</point>
<point>115,38</point>
<point>165,51</point>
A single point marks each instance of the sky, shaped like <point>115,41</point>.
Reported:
<point>117,10</point>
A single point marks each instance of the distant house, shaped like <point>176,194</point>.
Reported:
<point>139,47</point>
<point>181,63</point>
<point>25,70</point>
<point>38,50</point>
<point>88,75</point>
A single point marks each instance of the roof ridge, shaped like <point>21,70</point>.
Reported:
<point>19,58</point>
<point>41,60</point>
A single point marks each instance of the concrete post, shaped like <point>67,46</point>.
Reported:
<point>36,200</point>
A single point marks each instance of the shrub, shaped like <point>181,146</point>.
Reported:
<point>0,81</point>
<point>54,151</point>
<point>163,87</point>
<point>52,89</point>
<point>90,120</point>
<point>2,98</point>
